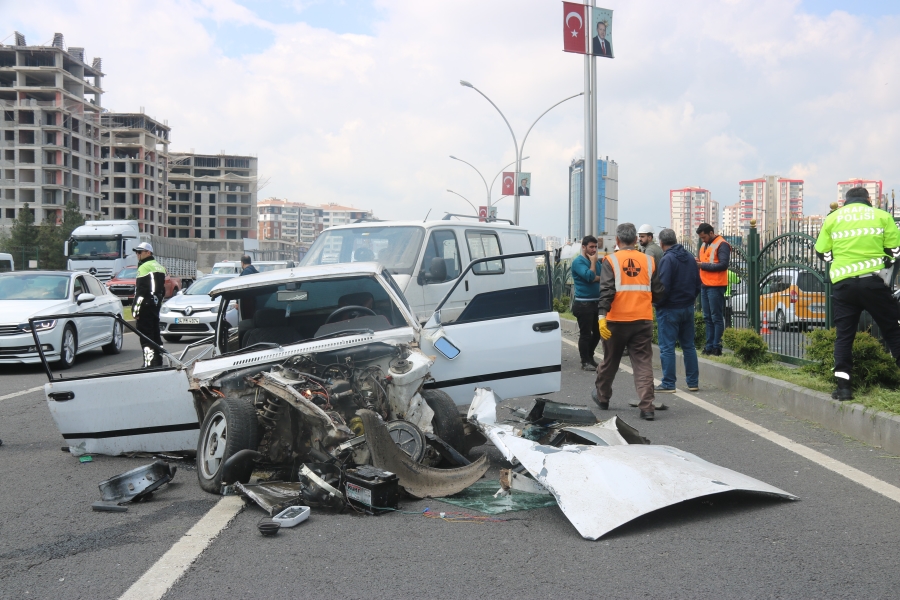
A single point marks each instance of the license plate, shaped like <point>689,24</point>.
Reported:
<point>187,321</point>
<point>816,308</point>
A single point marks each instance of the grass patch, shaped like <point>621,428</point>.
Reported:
<point>568,316</point>
<point>874,397</point>
<point>126,313</point>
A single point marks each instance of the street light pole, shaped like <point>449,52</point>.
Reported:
<point>466,199</point>
<point>516,147</point>
<point>488,189</point>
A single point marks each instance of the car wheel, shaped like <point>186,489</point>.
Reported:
<point>447,423</point>
<point>230,425</point>
<point>780,321</point>
<point>69,348</point>
<point>171,338</point>
<point>118,336</point>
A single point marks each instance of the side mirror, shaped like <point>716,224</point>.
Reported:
<point>179,292</point>
<point>85,297</point>
<point>66,248</point>
<point>437,271</point>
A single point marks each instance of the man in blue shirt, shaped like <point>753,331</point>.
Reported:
<point>584,305</point>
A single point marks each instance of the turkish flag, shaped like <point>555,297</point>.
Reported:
<point>509,184</point>
<point>575,28</point>
<point>482,213</point>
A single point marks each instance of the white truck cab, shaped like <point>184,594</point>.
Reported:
<point>426,258</point>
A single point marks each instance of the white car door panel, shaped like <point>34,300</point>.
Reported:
<point>151,411</point>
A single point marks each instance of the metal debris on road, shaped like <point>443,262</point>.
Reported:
<point>137,484</point>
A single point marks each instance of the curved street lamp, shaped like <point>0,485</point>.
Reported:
<point>466,199</point>
<point>488,189</point>
<point>518,149</point>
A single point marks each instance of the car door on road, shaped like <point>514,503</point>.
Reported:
<point>507,338</point>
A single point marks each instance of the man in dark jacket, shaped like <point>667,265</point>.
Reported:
<point>149,291</point>
<point>675,311</point>
<point>246,267</point>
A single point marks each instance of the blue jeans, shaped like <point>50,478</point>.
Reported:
<point>677,324</point>
<point>712,299</point>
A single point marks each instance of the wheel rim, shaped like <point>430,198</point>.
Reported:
<point>780,320</point>
<point>214,446</point>
<point>68,346</point>
<point>118,335</point>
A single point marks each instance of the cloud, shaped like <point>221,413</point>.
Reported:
<point>699,94</point>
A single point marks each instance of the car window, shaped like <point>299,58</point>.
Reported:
<point>484,244</point>
<point>28,286</point>
<point>807,282</point>
<point>442,244</point>
<point>397,248</point>
<point>80,286</point>
<point>202,287</point>
<point>5,265</point>
<point>127,273</point>
<point>95,287</point>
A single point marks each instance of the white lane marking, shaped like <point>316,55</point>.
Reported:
<point>159,578</point>
<point>823,460</point>
<point>21,393</point>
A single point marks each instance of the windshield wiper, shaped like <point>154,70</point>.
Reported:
<point>343,332</point>
<point>253,346</point>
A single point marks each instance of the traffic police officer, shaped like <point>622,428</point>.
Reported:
<point>149,291</point>
<point>628,287</point>
<point>858,241</point>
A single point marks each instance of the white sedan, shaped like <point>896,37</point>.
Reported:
<point>55,294</point>
<point>192,312</point>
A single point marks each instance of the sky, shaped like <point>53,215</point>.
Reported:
<point>358,102</point>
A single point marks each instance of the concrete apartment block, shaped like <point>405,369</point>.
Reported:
<point>212,196</point>
<point>135,153</point>
<point>688,208</point>
<point>49,130</point>
<point>302,223</point>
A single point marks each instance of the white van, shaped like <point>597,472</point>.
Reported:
<point>228,267</point>
<point>6,263</point>
<point>426,258</point>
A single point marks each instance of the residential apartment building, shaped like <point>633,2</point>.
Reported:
<point>875,189</point>
<point>135,153</point>
<point>605,209</point>
<point>49,130</point>
<point>212,196</point>
<point>302,223</point>
<point>689,207</point>
<point>731,220</point>
<point>773,201</point>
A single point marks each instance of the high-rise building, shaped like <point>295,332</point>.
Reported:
<point>773,201</point>
<point>212,196</point>
<point>606,206</point>
<point>49,130</point>
<point>302,223</point>
<point>731,220</point>
<point>689,207</point>
<point>874,188</point>
<point>135,169</point>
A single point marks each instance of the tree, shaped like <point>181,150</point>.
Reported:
<point>54,233</point>
<point>22,239</point>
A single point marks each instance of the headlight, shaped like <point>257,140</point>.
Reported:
<point>215,308</point>
<point>164,310</point>
<point>44,325</point>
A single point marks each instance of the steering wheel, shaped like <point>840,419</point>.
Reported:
<point>356,311</point>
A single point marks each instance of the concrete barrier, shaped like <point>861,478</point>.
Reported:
<point>876,428</point>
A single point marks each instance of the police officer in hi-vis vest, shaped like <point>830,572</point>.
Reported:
<point>858,241</point>
<point>628,287</point>
<point>149,291</point>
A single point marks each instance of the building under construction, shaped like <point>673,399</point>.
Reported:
<point>49,130</point>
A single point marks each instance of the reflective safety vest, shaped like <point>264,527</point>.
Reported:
<point>856,235</point>
<point>633,301</point>
<point>710,253</point>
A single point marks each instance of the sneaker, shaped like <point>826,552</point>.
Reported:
<point>693,388</point>
<point>593,362</point>
<point>664,390</point>
<point>656,405</point>
<point>706,352</point>
<point>648,415</point>
<point>588,367</point>
<point>716,352</point>
<point>602,405</point>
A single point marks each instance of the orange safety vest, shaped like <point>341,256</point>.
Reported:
<point>633,301</point>
<point>709,253</point>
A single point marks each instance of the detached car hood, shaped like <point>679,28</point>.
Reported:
<point>19,311</point>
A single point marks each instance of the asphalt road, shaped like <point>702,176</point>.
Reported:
<point>838,541</point>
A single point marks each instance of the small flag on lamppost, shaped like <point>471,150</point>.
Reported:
<point>509,183</point>
<point>482,213</point>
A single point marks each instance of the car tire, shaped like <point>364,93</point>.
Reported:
<point>446,422</point>
<point>171,338</point>
<point>115,345</point>
<point>69,348</point>
<point>780,321</point>
<point>230,425</point>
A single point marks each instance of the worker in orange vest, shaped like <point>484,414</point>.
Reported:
<point>628,287</point>
<point>714,255</point>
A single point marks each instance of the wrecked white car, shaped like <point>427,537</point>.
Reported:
<point>317,352</point>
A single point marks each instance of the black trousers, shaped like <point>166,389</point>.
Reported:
<point>148,324</point>
<point>587,314</point>
<point>851,297</point>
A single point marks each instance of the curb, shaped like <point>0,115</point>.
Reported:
<point>875,428</point>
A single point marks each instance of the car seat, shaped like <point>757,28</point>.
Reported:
<point>270,325</point>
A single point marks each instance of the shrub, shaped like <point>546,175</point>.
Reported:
<point>872,365</point>
<point>699,330</point>
<point>747,345</point>
<point>562,304</point>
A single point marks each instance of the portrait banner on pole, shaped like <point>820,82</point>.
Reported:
<point>601,43</point>
<point>523,182</point>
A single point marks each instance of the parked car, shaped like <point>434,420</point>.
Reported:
<point>122,285</point>
<point>787,297</point>
<point>7,263</point>
<point>57,295</point>
<point>273,265</point>
<point>316,349</point>
<point>193,313</point>
<point>226,267</point>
